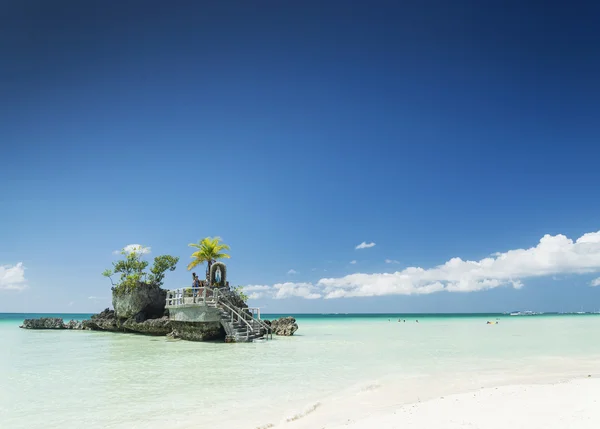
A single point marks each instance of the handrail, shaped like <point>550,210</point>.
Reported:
<point>239,316</point>
<point>176,297</point>
<point>260,322</point>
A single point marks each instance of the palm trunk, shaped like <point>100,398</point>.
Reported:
<point>208,273</point>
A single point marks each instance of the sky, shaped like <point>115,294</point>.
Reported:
<point>415,156</point>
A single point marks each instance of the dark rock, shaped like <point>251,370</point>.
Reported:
<point>138,318</point>
<point>160,326</point>
<point>107,321</point>
<point>44,323</point>
<point>197,331</point>
<point>99,324</point>
<point>173,335</point>
<point>233,297</point>
<point>147,299</point>
<point>105,314</point>
<point>103,321</point>
<point>74,325</point>
<point>286,326</point>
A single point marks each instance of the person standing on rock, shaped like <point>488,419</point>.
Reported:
<point>195,283</point>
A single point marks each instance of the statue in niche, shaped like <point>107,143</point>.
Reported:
<point>218,274</point>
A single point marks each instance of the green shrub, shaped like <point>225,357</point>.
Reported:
<point>239,290</point>
<point>132,270</point>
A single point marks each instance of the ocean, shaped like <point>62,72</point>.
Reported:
<point>334,364</point>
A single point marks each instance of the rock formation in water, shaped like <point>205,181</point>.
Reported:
<point>108,321</point>
<point>75,325</point>
<point>51,323</point>
<point>142,311</point>
<point>43,323</point>
<point>197,331</point>
<point>146,299</point>
<point>285,326</point>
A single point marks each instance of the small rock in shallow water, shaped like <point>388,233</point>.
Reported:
<point>286,326</point>
<point>43,323</point>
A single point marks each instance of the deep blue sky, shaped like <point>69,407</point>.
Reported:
<point>295,131</point>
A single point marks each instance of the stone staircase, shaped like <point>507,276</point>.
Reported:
<point>240,327</point>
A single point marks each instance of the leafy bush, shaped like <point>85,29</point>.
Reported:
<point>132,271</point>
<point>162,264</point>
<point>239,290</point>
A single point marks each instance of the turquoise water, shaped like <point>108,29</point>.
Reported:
<point>74,379</point>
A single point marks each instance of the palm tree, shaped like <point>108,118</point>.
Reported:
<point>210,249</point>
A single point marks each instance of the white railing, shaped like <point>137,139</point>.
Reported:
<point>255,314</point>
<point>191,295</point>
<point>252,314</point>
<point>241,318</point>
<point>210,296</point>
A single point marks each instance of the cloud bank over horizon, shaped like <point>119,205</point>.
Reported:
<point>12,277</point>
<point>554,254</point>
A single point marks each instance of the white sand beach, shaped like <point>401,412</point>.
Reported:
<point>572,404</point>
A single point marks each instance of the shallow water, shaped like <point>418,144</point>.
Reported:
<point>74,379</point>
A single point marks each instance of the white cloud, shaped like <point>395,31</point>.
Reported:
<point>553,255</point>
<point>255,288</point>
<point>71,304</point>
<point>391,261</point>
<point>13,277</point>
<point>353,262</point>
<point>133,247</point>
<point>365,245</point>
<point>256,291</point>
<point>284,290</point>
<point>289,289</point>
<point>292,271</point>
<point>97,298</point>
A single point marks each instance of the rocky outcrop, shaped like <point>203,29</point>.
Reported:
<point>104,321</point>
<point>197,331</point>
<point>44,323</point>
<point>233,297</point>
<point>147,299</point>
<point>75,325</point>
<point>141,311</point>
<point>285,326</point>
<point>51,323</point>
<point>107,313</point>
<point>160,326</point>
<point>108,321</point>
